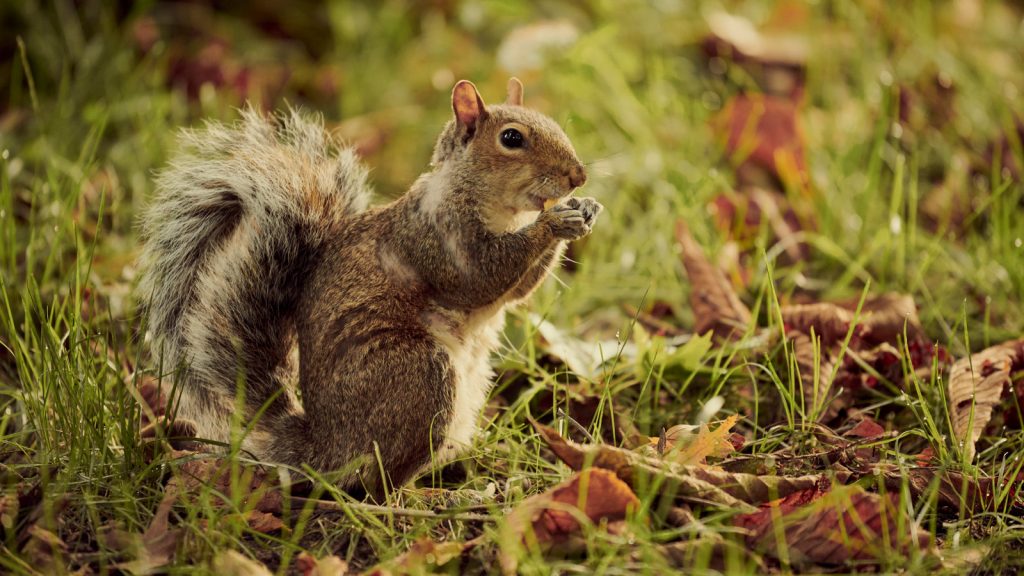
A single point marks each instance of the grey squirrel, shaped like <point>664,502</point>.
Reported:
<point>354,332</point>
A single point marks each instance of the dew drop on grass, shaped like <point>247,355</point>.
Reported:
<point>1018,243</point>
<point>5,154</point>
<point>896,130</point>
<point>895,224</point>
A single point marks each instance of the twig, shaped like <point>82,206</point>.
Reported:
<point>579,427</point>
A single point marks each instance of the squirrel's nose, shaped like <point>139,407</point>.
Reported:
<point>577,176</point>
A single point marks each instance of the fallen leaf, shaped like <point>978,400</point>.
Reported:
<point>43,549</point>
<point>865,428</point>
<point>552,518</point>
<point>775,61</point>
<point>231,563</point>
<point>762,133</point>
<point>421,557</point>
<point>887,316</point>
<point>833,527</point>
<point>829,321</point>
<point>976,385</point>
<point>263,522</point>
<point>198,470</point>
<point>159,541</point>
<point>698,485</point>
<point>715,304</point>
<point>706,442</point>
<point>326,566</point>
<point>957,491</point>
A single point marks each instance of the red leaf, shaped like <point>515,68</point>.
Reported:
<point>833,528</point>
<point>763,133</point>
<point>866,428</point>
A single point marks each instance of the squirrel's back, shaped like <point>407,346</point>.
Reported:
<point>240,215</point>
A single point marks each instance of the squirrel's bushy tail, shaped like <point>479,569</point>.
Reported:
<point>240,215</point>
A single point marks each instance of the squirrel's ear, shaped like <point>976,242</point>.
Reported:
<point>515,92</point>
<point>468,106</point>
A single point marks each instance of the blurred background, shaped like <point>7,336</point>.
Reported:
<point>849,141</point>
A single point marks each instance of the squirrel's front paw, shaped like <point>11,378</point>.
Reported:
<point>566,222</point>
<point>589,207</point>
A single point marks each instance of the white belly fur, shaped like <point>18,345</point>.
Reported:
<point>469,341</point>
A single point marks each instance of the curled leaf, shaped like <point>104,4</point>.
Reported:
<point>976,385</point>
<point>690,484</point>
<point>715,304</point>
<point>552,518</point>
<point>829,321</point>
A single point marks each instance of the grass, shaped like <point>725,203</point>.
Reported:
<point>88,116</point>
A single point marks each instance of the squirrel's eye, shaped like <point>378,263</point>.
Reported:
<point>512,138</point>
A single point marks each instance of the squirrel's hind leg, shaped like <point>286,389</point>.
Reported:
<point>385,405</point>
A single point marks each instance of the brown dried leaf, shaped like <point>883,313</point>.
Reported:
<point>43,549</point>
<point>262,522</point>
<point>885,317</point>
<point>715,304</point>
<point>159,541</point>
<point>829,321</point>
<point>552,518</point>
<point>231,563</point>
<point>976,385</point>
<point>326,566</point>
<point>957,491</point>
<point>833,527</point>
<point>422,557</point>
<point>198,470</point>
<point>692,484</point>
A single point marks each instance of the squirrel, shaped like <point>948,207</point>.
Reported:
<point>356,334</point>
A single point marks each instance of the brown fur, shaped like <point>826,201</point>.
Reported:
<point>393,310</point>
